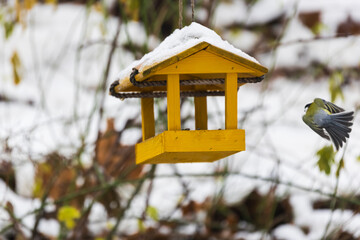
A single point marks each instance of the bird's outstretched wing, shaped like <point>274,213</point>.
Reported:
<point>315,127</point>
<point>332,108</point>
<point>339,127</point>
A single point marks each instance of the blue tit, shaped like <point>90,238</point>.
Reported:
<point>329,121</point>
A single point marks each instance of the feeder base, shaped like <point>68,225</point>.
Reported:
<point>190,146</point>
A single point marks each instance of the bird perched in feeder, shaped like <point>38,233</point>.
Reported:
<point>329,121</point>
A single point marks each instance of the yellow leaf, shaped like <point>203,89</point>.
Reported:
<point>67,215</point>
<point>98,7</point>
<point>54,2</point>
<point>109,225</point>
<point>326,159</point>
<point>45,168</point>
<point>16,66</point>
<point>152,212</point>
<point>38,189</point>
<point>17,11</point>
<point>132,8</point>
<point>318,28</point>
<point>341,166</point>
<point>335,86</point>
<point>141,225</point>
<point>9,27</point>
<point>29,4</point>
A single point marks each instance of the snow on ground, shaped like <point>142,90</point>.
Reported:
<point>333,52</point>
<point>294,143</point>
<point>22,206</point>
<point>62,82</point>
<point>59,79</point>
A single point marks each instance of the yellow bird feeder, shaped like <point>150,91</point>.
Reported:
<point>192,62</point>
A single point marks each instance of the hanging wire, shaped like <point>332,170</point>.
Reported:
<point>192,10</point>
<point>180,14</point>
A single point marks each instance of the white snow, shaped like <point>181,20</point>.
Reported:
<point>98,218</point>
<point>179,41</point>
<point>285,150</point>
<point>252,235</point>
<point>292,52</point>
<point>22,207</point>
<point>316,220</point>
<point>228,13</point>
<point>241,39</point>
<point>266,10</point>
<point>49,227</point>
<point>286,231</point>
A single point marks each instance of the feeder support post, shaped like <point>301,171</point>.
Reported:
<point>231,101</point>
<point>147,118</point>
<point>173,102</point>
<point>200,113</point>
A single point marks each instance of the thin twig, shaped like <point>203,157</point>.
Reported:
<point>317,38</point>
<point>96,42</point>
<point>106,75</point>
<point>147,201</point>
<point>267,179</point>
<point>139,182</point>
<point>193,10</point>
<point>332,207</point>
<point>333,200</point>
<point>124,209</point>
<point>40,212</point>
<point>180,14</point>
<point>186,192</point>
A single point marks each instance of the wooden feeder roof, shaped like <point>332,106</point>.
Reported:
<point>198,55</point>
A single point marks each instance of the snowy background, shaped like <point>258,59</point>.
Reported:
<point>58,105</point>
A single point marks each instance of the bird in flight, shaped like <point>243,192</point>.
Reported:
<point>329,121</point>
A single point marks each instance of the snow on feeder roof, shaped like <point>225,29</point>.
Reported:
<point>193,61</point>
<point>189,42</point>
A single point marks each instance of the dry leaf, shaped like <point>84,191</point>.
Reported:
<point>116,159</point>
<point>7,174</point>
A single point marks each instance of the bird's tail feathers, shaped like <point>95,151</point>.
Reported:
<point>339,127</point>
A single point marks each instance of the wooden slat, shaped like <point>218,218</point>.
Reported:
<point>231,101</point>
<point>179,57</point>
<point>190,146</point>
<point>173,102</point>
<point>201,118</point>
<point>149,149</point>
<point>147,118</point>
<point>204,62</point>
<point>260,70</point>
<point>204,140</point>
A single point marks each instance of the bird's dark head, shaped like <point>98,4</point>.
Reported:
<point>307,106</point>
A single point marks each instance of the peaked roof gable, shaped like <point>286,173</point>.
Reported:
<point>195,50</point>
<point>183,43</point>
